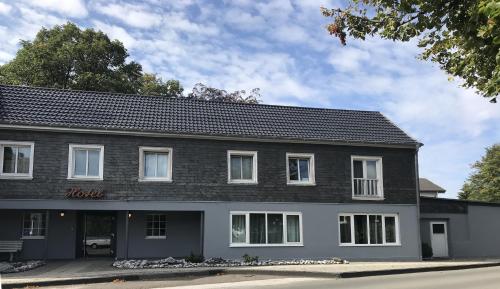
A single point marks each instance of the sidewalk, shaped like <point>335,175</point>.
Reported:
<point>95,271</point>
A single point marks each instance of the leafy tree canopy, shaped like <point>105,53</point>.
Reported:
<point>484,183</point>
<point>463,37</point>
<point>151,84</point>
<point>201,91</point>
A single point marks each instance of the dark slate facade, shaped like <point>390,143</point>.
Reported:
<point>200,170</point>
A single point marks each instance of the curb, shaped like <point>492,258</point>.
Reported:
<point>211,272</point>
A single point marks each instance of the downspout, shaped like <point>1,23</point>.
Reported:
<point>46,241</point>
<point>417,187</point>
<point>126,233</point>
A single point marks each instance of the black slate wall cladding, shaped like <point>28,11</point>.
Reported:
<point>200,170</point>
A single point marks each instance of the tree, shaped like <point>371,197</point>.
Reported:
<point>484,183</point>
<point>463,37</point>
<point>70,58</point>
<point>151,84</point>
<point>201,91</point>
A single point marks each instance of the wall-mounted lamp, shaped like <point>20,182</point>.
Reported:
<point>61,214</point>
<point>129,215</point>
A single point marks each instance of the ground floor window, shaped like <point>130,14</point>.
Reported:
<point>266,228</point>
<point>34,225</point>
<point>156,226</point>
<point>368,229</point>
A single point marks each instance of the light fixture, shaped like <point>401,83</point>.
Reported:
<point>129,215</point>
<point>61,214</point>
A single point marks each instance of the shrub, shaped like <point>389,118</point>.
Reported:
<point>195,258</point>
<point>426,251</point>
<point>250,259</point>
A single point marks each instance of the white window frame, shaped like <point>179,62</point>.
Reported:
<point>311,181</point>
<point>247,228</point>
<point>163,237</point>
<point>71,162</point>
<point>143,178</point>
<point>18,176</point>
<point>380,183</point>
<point>384,244</point>
<point>44,215</point>
<point>253,154</point>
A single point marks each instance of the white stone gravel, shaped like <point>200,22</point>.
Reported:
<point>6,267</point>
<point>216,262</point>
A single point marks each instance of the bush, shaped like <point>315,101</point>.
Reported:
<point>426,251</point>
<point>195,258</point>
<point>250,259</point>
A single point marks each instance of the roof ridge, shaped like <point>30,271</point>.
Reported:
<point>185,98</point>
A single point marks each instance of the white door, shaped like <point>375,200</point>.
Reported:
<point>439,239</point>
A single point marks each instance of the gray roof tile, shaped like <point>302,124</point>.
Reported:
<point>22,105</point>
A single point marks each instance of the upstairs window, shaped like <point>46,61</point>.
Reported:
<point>367,177</point>
<point>155,164</point>
<point>242,167</point>
<point>16,160</point>
<point>300,169</point>
<point>34,225</point>
<point>86,162</point>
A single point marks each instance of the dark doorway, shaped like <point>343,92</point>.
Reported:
<point>96,234</point>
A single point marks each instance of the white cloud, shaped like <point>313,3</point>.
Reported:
<point>5,8</point>
<point>132,15</point>
<point>348,60</point>
<point>71,8</point>
<point>116,32</point>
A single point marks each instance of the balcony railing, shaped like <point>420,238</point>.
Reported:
<point>366,187</point>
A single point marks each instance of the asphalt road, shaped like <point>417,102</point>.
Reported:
<point>484,278</point>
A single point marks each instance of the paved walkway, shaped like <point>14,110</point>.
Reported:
<point>62,271</point>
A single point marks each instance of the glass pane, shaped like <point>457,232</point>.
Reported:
<point>292,228</point>
<point>438,228</point>
<point>345,229</point>
<point>162,167</point>
<point>247,166</point>
<point>275,228</point>
<point>358,169</point>
<point>293,170</point>
<point>257,228</point>
<point>23,160</point>
<point>360,229</point>
<point>149,164</point>
<point>371,169</point>
<point>375,229</point>
<point>93,163</point>
<point>239,229</point>
<point>390,229</point>
<point>235,168</point>
<point>9,162</point>
<point>304,169</point>
<point>80,162</point>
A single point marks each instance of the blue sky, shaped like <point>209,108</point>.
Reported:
<point>281,47</point>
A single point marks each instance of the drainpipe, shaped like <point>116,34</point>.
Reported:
<point>46,243</point>
<point>126,233</point>
<point>417,187</point>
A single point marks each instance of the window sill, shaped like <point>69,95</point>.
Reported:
<point>301,184</point>
<point>13,177</point>
<point>155,180</point>
<point>264,245</point>
<point>368,198</point>
<point>370,245</point>
<point>33,237</point>
<point>156,238</point>
<point>84,179</point>
<point>242,182</point>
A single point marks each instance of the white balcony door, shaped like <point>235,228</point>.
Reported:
<point>439,239</point>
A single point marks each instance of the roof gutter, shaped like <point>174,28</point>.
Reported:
<point>194,136</point>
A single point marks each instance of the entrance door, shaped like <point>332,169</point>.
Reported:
<point>439,239</point>
<point>99,234</point>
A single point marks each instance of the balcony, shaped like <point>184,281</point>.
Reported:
<point>366,188</point>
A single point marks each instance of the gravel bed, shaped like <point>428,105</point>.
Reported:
<point>216,262</point>
<point>15,267</point>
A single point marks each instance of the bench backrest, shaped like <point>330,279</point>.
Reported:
<point>11,246</point>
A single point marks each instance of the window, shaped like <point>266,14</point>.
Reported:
<point>16,160</point>
<point>368,229</point>
<point>34,225</point>
<point>156,226</point>
<point>253,229</point>
<point>242,167</point>
<point>300,169</point>
<point>367,177</point>
<point>155,164</point>
<point>86,162</point>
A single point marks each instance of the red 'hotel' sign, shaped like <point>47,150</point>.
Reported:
<point>77,193</point>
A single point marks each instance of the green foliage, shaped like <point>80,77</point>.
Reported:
<point>426,251</point>
<point>154,85</point>
<point>192,258</point>
<point>250,259</point>
<point>484,183</point>
<point>201,91</point>
<point>463,37</point>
